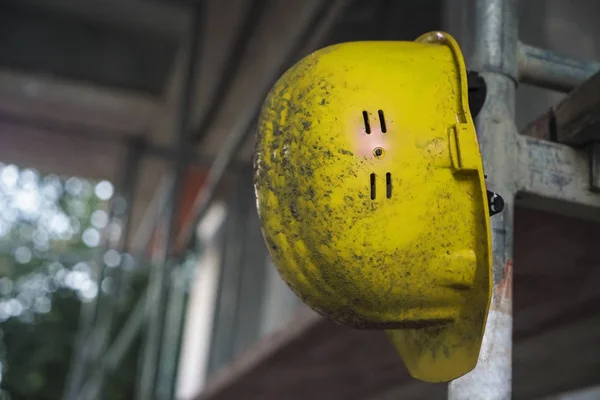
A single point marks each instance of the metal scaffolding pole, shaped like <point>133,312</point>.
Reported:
<point>517,167</point>
<point>95,325</point>
<point>103,331</point>
<point>163,267</point>
<point>496,57</point>
<point>319,20</point>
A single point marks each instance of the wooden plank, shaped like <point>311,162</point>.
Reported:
<point>574,121</point>
<point>578,115</point>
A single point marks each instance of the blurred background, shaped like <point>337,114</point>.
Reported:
<point>131,260</point>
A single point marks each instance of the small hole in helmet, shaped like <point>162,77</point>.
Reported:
<point>382,121</point>
<point>373,190</point>
<point>366,120</point>
<point>388,181</point>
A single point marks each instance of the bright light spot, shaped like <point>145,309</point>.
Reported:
<point>42,305</point>
<point>27,201</point>
<point>112,258</point>
<point>51,187</point>
<point>29,179</point>
<point>86,189</point>
<point>22,255</point>
<point>10,175</point>
<point>91,237</point>
<point>211,222</point>
<point>59,223</point>
<point>4,227</point>
<point>6,286</point>
<point>54,267</point>
<point>74,186</point>
<point>127,262</point>
<point>40,240</point>
<point>8,214</point>
<point>4,313</point>
<point>107,285</point>
<point>14,307</point>
<point>25,300</point>
<point>60,276</point>
<point>82,267</point>
<point>50,192</point>
<point>88,291</point>
<point>78,208</point>
<point>99,219</point>
<point>104,190</point>
<point>114,231</point>
<point>76,279</point>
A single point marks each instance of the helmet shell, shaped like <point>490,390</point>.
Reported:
<point>371,194</point>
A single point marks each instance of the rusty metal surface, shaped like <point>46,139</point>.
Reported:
<point>496,60</point>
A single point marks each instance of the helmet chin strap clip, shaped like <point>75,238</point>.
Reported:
<point>495,202</point>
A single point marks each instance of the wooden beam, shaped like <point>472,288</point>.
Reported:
<point>575,121</point>
<point>578,115</point>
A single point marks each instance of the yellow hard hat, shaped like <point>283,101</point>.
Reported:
<point>371,194</point>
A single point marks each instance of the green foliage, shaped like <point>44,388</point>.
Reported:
<point>50,231</point>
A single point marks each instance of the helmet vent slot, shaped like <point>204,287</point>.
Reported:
<point>382,121</point>
<point>373,188</point>
<point>367,124</point>
<point>388,185</point>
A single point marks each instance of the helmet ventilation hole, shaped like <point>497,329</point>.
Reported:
<point>366,119</point>
<point>382,121</point>
<point>388,182</point>
<point>373,189</point>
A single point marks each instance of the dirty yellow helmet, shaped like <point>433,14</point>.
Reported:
<point>372,198</point>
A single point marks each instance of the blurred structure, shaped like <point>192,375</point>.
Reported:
<point>160,98</point>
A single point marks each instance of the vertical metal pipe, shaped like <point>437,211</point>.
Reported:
<point>496,58</point>
<point>175,311</point>
<point>100,334</point>
<point>161,275</point>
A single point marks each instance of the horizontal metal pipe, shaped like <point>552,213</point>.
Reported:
<point>543,68</point>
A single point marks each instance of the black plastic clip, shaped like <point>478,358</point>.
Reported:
<point>495,203</point>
